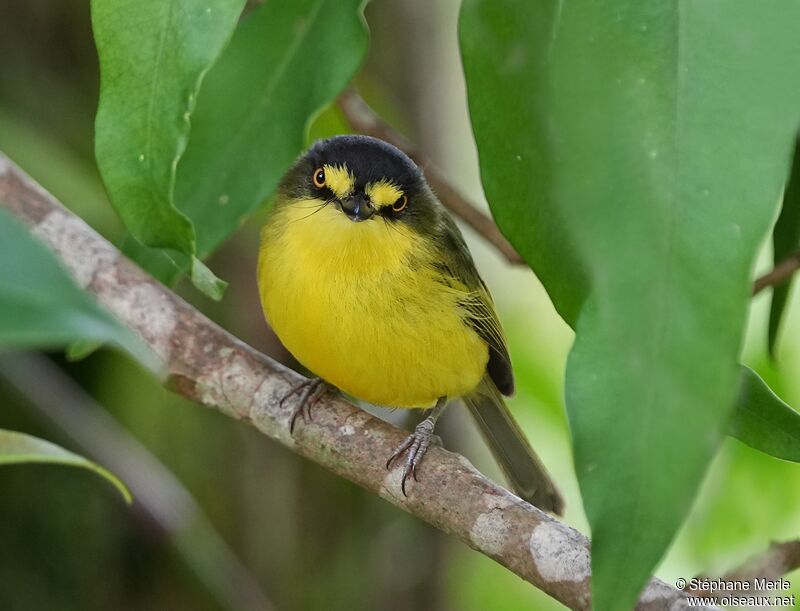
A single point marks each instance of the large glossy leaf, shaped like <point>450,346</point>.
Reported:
<point>153,56</point>
<point>785,241</point>
<point>634,153</point>
<point>40,305</point>
<point>287,61</point>
<point>506,51</point>
<point>19,448</point>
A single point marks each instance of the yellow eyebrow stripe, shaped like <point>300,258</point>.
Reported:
<point>339,180</point>
<point>383,193</point>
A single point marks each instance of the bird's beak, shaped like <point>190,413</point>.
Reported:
<point>357,208</point>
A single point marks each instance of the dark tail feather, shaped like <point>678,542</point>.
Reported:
<point>522,467</point>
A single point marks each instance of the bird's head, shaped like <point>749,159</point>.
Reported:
<point>362,179</point>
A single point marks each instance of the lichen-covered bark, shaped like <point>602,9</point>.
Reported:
<point>210,366</point>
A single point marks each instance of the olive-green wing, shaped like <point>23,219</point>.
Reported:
<point>458,268</point>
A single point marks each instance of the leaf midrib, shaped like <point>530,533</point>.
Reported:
<point>645,457</point>
<point>152,97</point>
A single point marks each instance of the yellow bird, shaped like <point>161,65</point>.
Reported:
<point>367,281</point>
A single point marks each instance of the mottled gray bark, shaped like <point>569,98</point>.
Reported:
<point>210,366</point>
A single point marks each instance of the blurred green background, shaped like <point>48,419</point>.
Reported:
<point>275,531</point>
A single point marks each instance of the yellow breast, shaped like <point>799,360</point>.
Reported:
<point>358,304</point>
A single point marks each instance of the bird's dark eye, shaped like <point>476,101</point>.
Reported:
<point>319,178</point>
<point>400,204</point>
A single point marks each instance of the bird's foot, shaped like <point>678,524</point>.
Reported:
<point>414,447</point>
<point>310,392</point>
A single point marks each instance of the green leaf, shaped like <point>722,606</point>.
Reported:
<point>505,49</point>
<point>153,57</point>
<point>41,307</point>
<point>763,421</point>
<point>204,279</point>
<point>633,153</point>
<point>80,349</point>
<point>168,265</point>
<point>328,123</point>
<point>785,240</point>
<point>164,265</point>
<point>18,448</point>
<point>287,61</point>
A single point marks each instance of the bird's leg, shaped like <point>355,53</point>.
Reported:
<point>416,444</point>
<point>310,392</point>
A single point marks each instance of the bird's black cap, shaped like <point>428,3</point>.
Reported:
<point>369,159</point>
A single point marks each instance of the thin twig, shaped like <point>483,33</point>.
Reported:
<point>781,273</point>
<point>364,120</point>
<point>757,575</point>
<point>210,366</point>
<point>156,491</point>
<point>779,560</point>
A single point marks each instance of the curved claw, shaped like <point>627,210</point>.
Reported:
<point>310,392</point>
<point>400,450</point>
<point>415,446</point>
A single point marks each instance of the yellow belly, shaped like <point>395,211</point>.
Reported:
<point>356,304</point>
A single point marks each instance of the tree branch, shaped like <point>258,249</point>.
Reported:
<point>769,566</point>
<point>781,273</point>
<point>364,120</point>
<point>779,560</point>
<point>210,366</point>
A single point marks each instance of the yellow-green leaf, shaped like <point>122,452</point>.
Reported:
<point>19,448</point>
